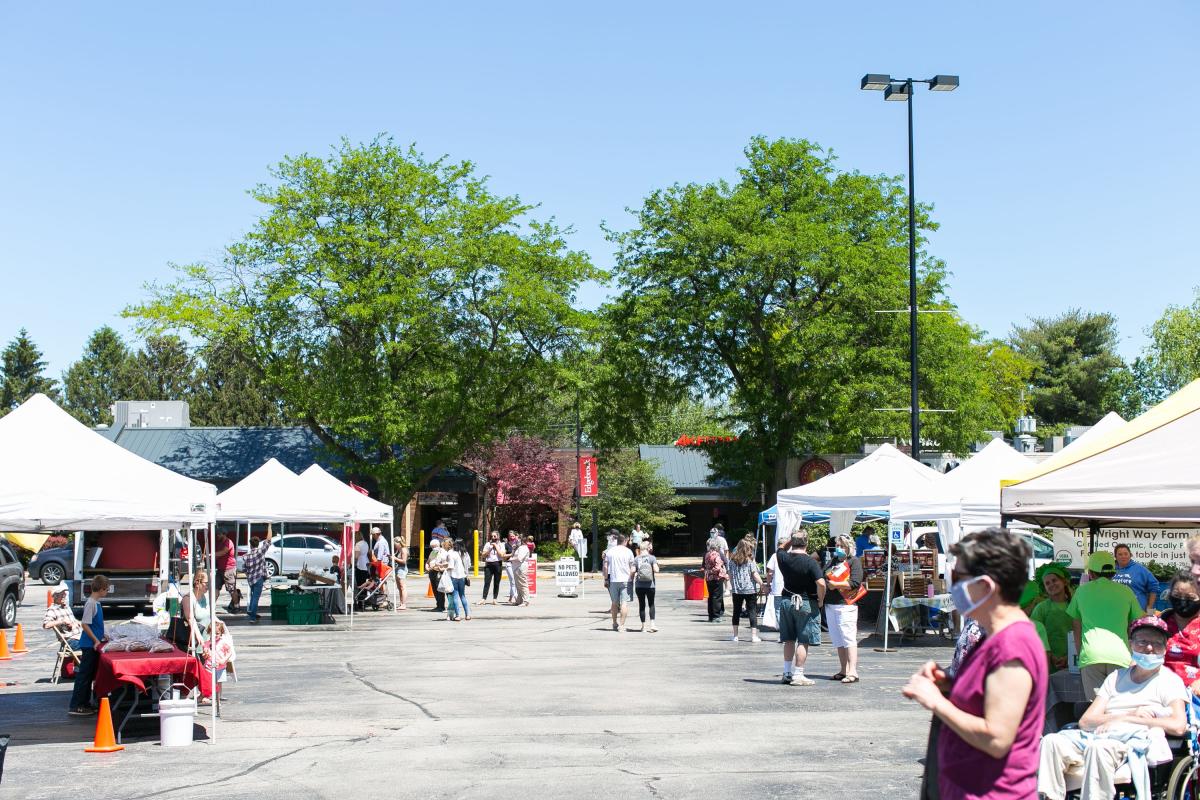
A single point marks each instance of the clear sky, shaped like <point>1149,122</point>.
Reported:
<point>1064,171</point>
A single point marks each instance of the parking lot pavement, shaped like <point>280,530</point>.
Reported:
<point>544,701</point>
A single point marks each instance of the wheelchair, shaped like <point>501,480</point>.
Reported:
<point>1177,779</point>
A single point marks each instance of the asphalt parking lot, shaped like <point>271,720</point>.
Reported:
<point>544,701</point>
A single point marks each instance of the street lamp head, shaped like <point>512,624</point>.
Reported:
<point>897,91</point>
<point>875,83</point>
<point>943,83</point>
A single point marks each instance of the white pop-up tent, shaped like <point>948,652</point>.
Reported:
<point>866,486</point>
<point>273,493</point>
<point>968,495</point>
<point>58,474</point>
<point>1142,473</point>
<point>330,490</point>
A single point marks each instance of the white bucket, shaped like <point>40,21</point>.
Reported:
<point>175,719</point>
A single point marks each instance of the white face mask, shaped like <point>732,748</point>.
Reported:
<point>960,594</point>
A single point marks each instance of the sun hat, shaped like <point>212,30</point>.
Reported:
<point>62,587</point>
<point>1101,562</point>
<point>375,529</point>
<point>1150,621</point>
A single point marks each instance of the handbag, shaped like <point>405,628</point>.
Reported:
<point>468,580</point>
<point>445,584</point>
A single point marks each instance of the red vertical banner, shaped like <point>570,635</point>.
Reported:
<point>589,477</point>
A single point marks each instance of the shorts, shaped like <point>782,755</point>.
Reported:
<point>618,592</point>
<point>843,624</point>
<point>797,622</point>
<point>220,674</point>
<point>401,571</point>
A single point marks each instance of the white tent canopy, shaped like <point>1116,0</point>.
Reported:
<point>273,493</point>
<point>969,494</point>
<point>323,485</point>
<point>1142,473</point>
<point>58,474</point>
<point>868,485</point>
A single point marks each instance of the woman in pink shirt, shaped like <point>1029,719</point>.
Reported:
<point>993,710</point>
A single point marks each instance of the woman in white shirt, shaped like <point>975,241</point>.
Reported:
<point>458,562</point>
<point>493,559</point>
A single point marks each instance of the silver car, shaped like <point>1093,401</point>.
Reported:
<point>294,551</point>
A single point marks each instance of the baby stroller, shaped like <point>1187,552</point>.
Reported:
<point>373,592</point>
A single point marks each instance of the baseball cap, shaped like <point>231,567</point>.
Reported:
<point>1150,621</point>
<point>376,529</point>
<point>1101,562</point>
<point>62,587</point>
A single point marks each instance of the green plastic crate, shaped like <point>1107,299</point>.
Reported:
<point>295,617</point>
<point>279,597</point>
<point>305,601</point>
<point>279,613</point>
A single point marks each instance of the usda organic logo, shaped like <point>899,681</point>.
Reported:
<point>1063,557</point>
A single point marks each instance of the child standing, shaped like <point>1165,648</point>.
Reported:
<point>218,655</point>
<point>89,646</point>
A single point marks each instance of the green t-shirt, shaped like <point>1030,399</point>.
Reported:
<point>1104,610</point>
<point>1041,632</point>
<point>1057,623</point>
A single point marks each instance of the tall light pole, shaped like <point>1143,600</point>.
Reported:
<point>901,90</point>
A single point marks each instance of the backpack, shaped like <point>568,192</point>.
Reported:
<point>645,570</point>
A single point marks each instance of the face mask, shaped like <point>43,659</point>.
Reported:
<point>1185,606</point>
<point>960,595</point>
<point>840,553</point>
<point>1148,661</point>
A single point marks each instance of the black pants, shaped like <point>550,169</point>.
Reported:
<point>491,577</point>
<point>716,599</point>
<point>81,693</point>
<point>438,598</point>
<point>645,596</point>
<point>750,603</point>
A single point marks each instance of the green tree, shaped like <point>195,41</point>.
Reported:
<point>23,373</point>
<point>688,417</point>
<point>164,368</point>
<point>394,305</point>
<point>631,491</point>
<point>104,374</point>
<point>763,294</point>
<point>1171,360</point>
<point>1078,377</point>
<point>230,389</point>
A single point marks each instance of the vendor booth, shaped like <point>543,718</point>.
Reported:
<point>56,474</point>
<point>867,486</point>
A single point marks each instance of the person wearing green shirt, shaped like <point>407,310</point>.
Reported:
<point>1102,612</point>
<point>1051,613</point>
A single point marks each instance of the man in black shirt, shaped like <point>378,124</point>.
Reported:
<point>803,596</point>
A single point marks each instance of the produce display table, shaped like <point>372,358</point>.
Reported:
<point>134,675</point>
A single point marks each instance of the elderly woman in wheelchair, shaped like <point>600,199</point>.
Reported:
<point>1123,733</point>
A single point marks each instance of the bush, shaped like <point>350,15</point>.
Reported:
<point>553,551</point>
<point>1162,572</point>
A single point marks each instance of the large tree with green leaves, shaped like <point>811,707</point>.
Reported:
<point>1078,377</point>
<point>23,373</point>
<point>1171,360</point>
<point>229,389</point>
<point>764,293</point>
<point>393,304</point>
<point>104,374</point>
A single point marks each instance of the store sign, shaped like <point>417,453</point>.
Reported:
<point>589,477</point>
<point>1163,545</point>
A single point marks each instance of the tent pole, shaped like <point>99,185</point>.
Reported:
<point>212,628</point>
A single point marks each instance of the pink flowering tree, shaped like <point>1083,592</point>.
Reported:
<point>524,479</point>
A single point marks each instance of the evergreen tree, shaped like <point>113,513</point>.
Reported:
<point>23,373</point>
<point>103,375</point>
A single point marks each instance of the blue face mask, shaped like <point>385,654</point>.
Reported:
<point>840,553</point>
<point>1148,661</point>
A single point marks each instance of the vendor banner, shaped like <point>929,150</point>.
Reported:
<point>589,477</point>
<point>1163,545</point>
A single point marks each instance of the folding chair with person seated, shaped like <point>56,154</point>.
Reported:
<point>68,658</point>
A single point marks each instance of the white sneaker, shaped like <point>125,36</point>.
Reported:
<point>733,638</point>
<point>623,629</point>
<point>756,640</point>
<point>652,628</point>
<point>642,629</point>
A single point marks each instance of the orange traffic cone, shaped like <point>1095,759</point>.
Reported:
<point>19,641</point>
<point>4,656</point>
<point>49,598</point>
<point>429,590</point>
<point>105,742</point>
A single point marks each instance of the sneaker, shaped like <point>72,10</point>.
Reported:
<point>653,629</point>
<point>803,681</point>
<point>623,629</point>
<point>254,620</point>
<point>787,678</point>
<point>756,640</point>
<point>82,711</point>
<point>616,627</point>
<point>733,638</point>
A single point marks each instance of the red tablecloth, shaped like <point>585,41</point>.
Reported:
<point>186,668</point>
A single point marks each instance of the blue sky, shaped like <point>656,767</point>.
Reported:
<point>1063,170</point>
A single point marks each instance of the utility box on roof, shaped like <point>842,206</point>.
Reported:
<point>150,414</point>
